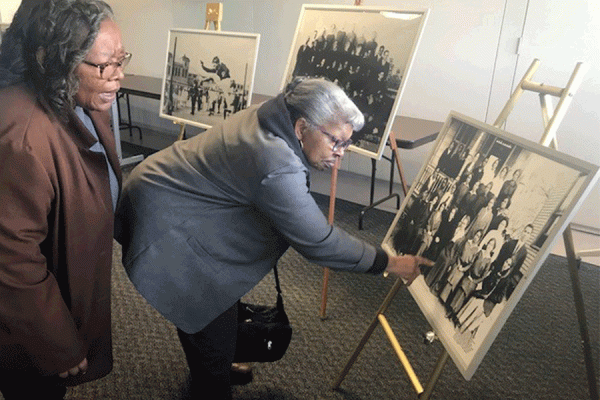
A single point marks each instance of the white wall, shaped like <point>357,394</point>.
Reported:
<point>467,61</point>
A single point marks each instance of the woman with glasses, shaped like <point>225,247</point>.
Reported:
<point>204,220</point>
<point>61,62</point>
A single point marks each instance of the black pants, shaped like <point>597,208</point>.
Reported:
<point>209,355</point>
<point>26,386</point>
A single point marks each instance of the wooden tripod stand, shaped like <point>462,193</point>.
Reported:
<point>551,118</point>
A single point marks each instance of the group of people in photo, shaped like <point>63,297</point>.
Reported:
<point>202,95</point>
<point>210,92</point>
<point>358,64</point>
<point>461,219</point>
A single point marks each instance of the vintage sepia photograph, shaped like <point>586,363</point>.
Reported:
<point>487,208</point>
<point>209,75</point>
<point>368,52</point>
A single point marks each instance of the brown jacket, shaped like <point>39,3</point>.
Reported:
<point>56,236</point>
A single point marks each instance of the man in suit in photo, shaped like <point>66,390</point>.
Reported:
<point>515,248</point>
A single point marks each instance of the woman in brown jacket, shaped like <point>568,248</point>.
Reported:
<point>60,66</point>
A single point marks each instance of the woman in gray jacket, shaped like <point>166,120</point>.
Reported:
<point>203,221</point>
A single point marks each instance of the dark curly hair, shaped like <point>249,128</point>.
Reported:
<point>45,42</point>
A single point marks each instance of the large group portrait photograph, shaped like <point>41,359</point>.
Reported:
<point>486,207</point>
<point>208,76</point>
<point>365,50</point>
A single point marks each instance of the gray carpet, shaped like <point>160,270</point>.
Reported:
<point>537,354</point>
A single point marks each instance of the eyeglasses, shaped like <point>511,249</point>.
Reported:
<point>337,143</point>
<point>108,69</point>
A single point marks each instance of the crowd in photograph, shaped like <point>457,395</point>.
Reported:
<point>461,219</point>
<point>361,66</point>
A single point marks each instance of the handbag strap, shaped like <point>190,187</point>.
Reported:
<point>277,281</point>
<point>280,306</point>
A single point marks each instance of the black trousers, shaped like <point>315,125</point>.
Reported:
<point>26,386</point>
<point>209,354</point>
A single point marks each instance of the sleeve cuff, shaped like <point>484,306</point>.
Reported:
<point>380,263</point>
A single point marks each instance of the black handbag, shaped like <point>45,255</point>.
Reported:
<point>264,332</point>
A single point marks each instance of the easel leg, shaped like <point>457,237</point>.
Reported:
<point>391,294</point>
<point>400,353</point>
<point>323,310</point>
<point>181,135</point>
<point>396,156</point>
<point>573,264</point>
<point>435,375</point>
<point>330,219</point>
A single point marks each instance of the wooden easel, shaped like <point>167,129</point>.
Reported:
<point>551,119</point>
<point>332,194</point>
<point>214,14</point>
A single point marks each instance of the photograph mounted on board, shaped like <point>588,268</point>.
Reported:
<point>208,76</point>
<point>368,51</point>
<point>486,207</point>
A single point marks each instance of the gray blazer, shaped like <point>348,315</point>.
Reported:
<point>203,221</point>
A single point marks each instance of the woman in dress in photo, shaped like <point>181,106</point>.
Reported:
<point>490,170</point>
<point>483,219</point>
<point>483,301</point>
<point>498,234</point>
<point>433,223</point>
<point>441,271</point>
<point>498,180</point>
<point>460,267</point>
<point>476,273</point>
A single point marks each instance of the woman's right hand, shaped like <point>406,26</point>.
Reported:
<point>407,267</point>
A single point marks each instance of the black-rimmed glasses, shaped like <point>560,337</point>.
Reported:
<point>108,69</point>
<point>337,143</point>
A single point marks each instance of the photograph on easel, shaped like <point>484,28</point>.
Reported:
<point>486,207</point>
<point>367,51</point>
<point>208,76</point>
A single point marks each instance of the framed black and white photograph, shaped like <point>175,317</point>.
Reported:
<point>368,51</point>
<point>487,208</point>
<point>208,76</point>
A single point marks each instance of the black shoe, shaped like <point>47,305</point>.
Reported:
<point>241,374</point>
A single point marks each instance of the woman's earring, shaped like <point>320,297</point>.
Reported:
<point>301,144</point>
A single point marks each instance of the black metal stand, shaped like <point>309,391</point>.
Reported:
<point>127,124</point>
<point>391,195</point>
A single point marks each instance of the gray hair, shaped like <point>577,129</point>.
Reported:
<point>322,102</point>
<point>44,44</point>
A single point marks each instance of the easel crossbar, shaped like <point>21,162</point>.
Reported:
<point>400,353</point>
<point>386,302</point>
<point>542,88</point>
<point>381,319</point>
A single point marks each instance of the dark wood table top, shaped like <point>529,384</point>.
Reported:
<point>414,132</point>
<point>143,86</point>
